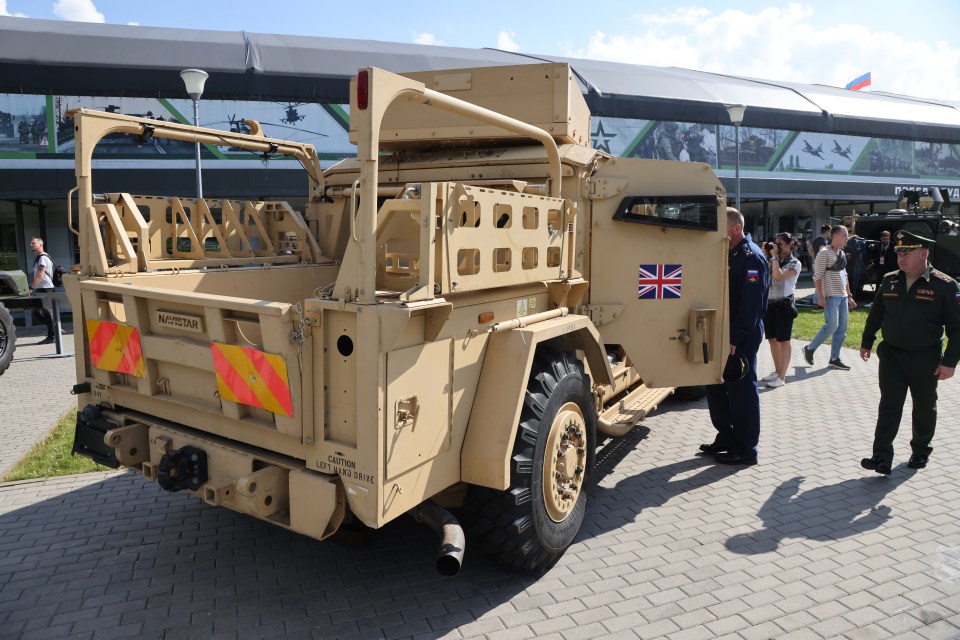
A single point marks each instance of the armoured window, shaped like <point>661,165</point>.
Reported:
<point>686,212</point>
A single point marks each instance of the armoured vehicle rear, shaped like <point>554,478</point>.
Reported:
<point>450,322</point>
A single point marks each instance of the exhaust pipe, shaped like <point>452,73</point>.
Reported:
<point>452,540</point>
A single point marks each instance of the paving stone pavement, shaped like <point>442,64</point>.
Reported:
<point>34,392</point>
<point>803,545</point>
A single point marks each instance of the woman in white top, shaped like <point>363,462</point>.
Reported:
<point>781,310</point>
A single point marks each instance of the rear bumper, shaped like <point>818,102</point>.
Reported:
<point>240,478</point>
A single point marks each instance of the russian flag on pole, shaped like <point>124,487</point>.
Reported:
<point>859,83</point>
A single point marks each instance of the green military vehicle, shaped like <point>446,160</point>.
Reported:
<point>12,284</point>
<point>924,211</point>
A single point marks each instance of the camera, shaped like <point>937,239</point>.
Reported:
<point>769,246</point>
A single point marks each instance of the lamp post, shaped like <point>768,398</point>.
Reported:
<point>735,112</point>
<point>193,80</point>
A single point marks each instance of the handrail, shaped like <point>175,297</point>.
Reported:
<point>455,105</point>
<point>70,211</point>
<point>353,210</point>
<point>93,126</point>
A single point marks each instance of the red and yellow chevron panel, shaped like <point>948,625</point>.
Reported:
<point>252,377</point>
<point>116,347</point>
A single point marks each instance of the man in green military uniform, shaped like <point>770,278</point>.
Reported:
<point>912,307</point>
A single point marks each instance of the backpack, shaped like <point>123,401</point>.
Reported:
<point>58,271</point>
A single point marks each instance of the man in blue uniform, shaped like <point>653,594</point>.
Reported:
<point>913,307</point>
<point>735,403</point>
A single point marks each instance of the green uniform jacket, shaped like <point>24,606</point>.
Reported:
<point>915,320</point>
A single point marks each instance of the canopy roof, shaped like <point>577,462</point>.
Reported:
<point>74,58</point>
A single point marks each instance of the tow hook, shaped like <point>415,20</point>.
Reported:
<point>184,468</point>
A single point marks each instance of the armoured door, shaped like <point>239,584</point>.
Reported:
<point>657,264</point>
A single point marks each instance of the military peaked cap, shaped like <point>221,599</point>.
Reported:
<point>907,241</point>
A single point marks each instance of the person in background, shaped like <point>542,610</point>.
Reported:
<point>42,283</point>
<point>913,308</point>
<point>819,243</point>
<point>781,308</point>
<point>856,268</point>
<point>885,260</point>
<point>833,294</point>
<point>803,251</point>
<point>735,403</point>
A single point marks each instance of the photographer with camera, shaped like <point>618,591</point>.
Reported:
<point>781,309</point>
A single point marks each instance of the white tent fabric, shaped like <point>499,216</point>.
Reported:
<point>43,56</point>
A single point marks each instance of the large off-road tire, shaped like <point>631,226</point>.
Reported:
<point>8,338</point>
<point>532,523</point>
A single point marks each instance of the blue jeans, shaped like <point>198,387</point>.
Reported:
<point>835,317</point>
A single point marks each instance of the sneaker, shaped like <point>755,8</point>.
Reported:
<point>776,382</point>
<point>770,378</point>
<point>838,364</point>
<point>808,355</point>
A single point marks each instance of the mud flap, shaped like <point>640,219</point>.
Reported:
<point>88,437</point>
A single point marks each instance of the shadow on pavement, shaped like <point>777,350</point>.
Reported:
<point>829,512</point>
<point>125,556</point>
<point>613,507</point>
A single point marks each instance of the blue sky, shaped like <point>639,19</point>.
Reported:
<point>819,41</point>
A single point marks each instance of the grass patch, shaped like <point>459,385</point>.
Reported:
<point>810,320</point>
<point>53,457</point>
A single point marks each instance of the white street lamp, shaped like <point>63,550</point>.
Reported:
<point>193,80</point>
<point>735,112</point>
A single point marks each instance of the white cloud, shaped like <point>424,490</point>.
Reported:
<point>427,38</point>
<point>133,24</point>
<point>505,41</point>
<point>77,11</point>
<point>4,12</point>
<point>783,43</point>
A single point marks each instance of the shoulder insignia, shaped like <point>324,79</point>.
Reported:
<point>892,273</point>
<point>941,275</point>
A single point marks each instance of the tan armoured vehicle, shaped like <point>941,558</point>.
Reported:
<point>450,322</point>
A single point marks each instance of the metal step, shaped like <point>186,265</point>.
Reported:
<point>636,405</point>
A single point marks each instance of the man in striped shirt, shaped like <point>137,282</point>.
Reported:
<point>833,294</point>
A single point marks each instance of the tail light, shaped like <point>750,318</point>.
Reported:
<point>363,89</point>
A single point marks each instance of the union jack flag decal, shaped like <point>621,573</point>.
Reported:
<point>659,281</point>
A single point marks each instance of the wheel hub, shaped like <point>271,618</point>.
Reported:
<point>565,462</point>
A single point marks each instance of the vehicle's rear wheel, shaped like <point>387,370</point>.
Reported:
<point>8,338</point>
<point>532,523</point>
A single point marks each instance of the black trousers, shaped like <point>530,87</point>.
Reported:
<point>735,406</point>
<point>900,371</point>
<point>42,314</point>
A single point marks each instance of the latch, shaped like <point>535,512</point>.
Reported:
<point>407,409</point>
<point>603,188</point>
<point>700,328</point>
<point>603,313</point>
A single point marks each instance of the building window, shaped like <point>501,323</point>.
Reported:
<point>8,248</point>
